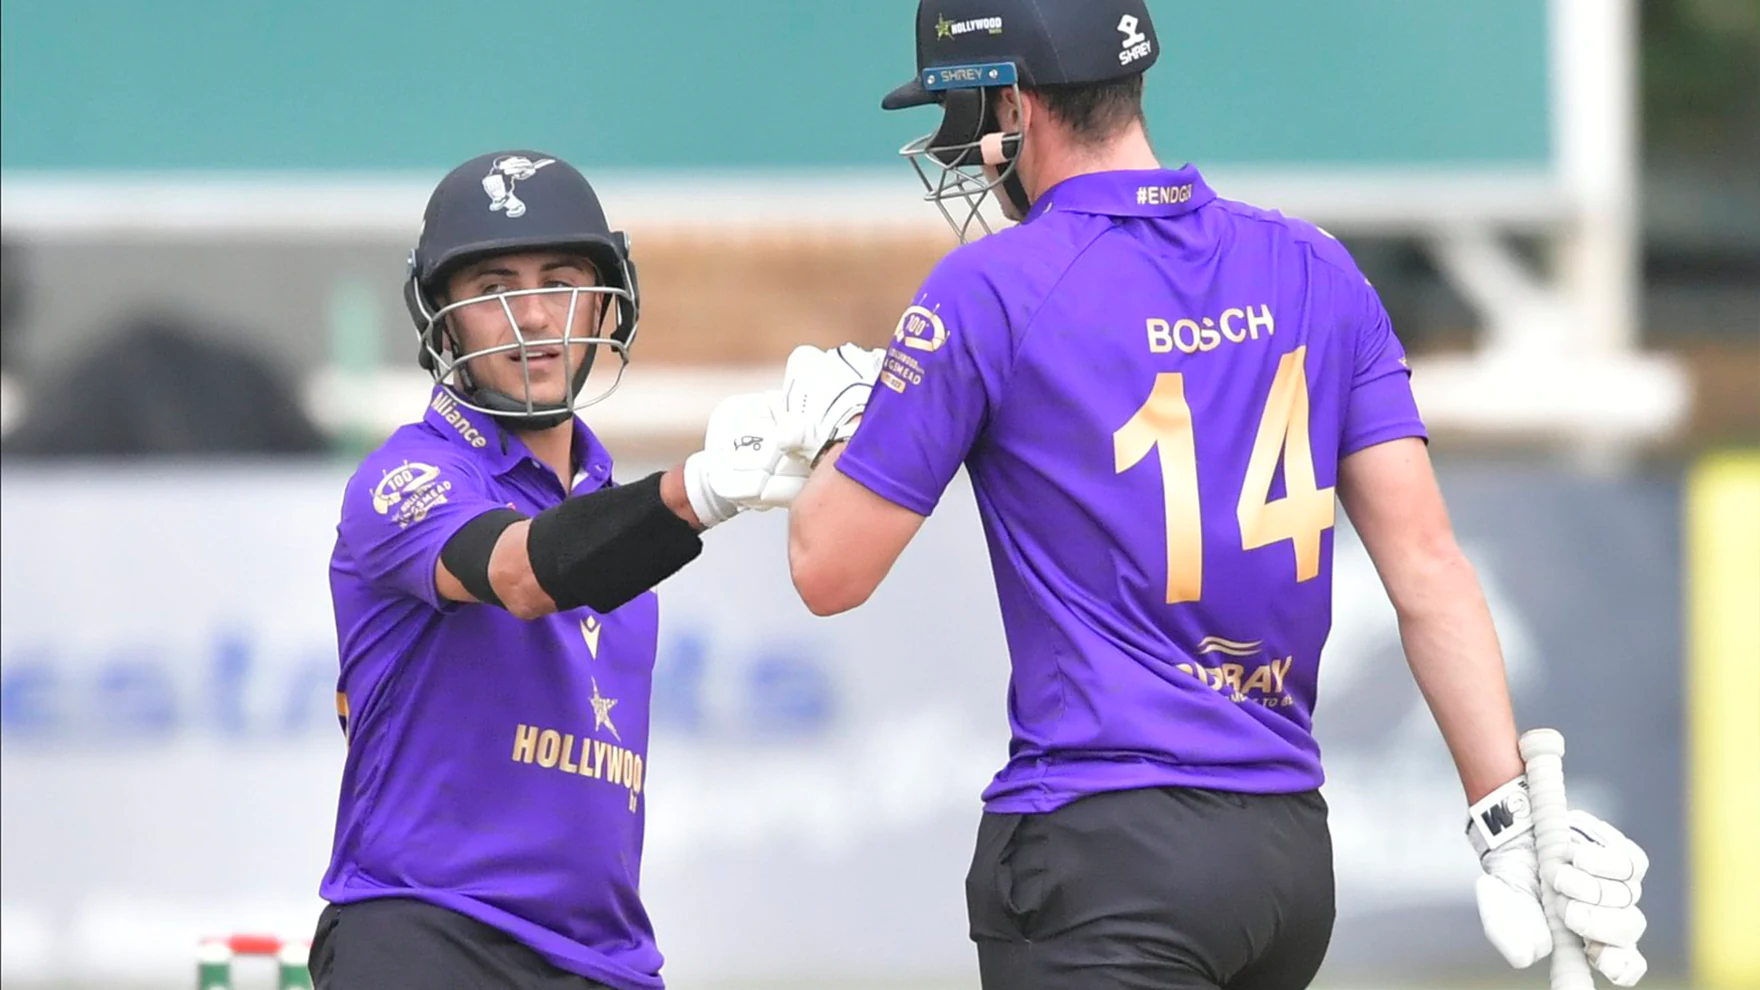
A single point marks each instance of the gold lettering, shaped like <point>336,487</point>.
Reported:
<point>568,764</point>
<point>1160,340</point>
<point>1280,670</point>
<point>599,747</point>
<point>1183,331</point>
<point>525,740</point>
<point>1260,681</point>
<point>1234,335</point>
<point>1231,676</point>
<point>1199,336</point>
<point>1261,319</point>
<point>615,764</point>
<point>549,745</point>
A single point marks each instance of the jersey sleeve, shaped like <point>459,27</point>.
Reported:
<point>942,376</point>
<point>1381,406</point>
<point>399,510</point>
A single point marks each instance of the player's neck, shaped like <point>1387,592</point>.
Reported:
<point>1066,160</point>
<point>554,445</point>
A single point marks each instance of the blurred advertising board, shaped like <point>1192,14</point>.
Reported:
<point>171,753</point>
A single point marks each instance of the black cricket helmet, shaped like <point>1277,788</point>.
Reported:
<point>508,202</point>
<point>971,51</point>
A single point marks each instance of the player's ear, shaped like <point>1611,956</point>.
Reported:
<point>1011,109</point>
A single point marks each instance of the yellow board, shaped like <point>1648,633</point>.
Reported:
<point>1723,691</point>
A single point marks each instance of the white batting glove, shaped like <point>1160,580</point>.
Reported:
<point>744,463</point>
<point>1600,886</point>
<point>826,392</point>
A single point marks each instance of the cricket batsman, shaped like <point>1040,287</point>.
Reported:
<point>494,613</point>
<point>1160,395</point>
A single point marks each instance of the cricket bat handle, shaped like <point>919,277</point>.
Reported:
<point>1543,752</point>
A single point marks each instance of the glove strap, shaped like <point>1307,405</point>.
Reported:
<point>839,434</point>
<point>1499,817</point>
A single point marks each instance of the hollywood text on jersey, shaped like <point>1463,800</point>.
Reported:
<point>582,756</point>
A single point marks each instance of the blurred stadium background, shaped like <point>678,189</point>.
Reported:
<point>206,209</point>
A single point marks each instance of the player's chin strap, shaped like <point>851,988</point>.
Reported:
<point>510,412</point>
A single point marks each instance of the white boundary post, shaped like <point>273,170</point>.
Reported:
<point>1594,128</point>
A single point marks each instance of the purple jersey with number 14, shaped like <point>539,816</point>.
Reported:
<point>1151,389</point>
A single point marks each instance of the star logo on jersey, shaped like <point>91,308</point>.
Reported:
<point>590,629</point>
<point>602,711</point>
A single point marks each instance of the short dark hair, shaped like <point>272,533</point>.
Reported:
<point>1095,112</point>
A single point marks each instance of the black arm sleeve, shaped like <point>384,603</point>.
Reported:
<point>467,553</point>
<point>603,549</point>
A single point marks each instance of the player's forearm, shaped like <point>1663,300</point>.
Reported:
<point>504,577</point>
<point>1451,646</point>
<point>824,586</point>
<point>598,550</point>
<point>511,575</point>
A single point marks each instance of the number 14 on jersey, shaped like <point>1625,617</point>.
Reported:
<point>1163,423</point>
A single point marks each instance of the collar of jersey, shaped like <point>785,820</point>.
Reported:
<point>504,449</point>
<point>1126,193</point>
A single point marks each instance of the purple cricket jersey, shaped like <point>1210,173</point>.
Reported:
<point>495,766</point>
<point>1151,388</point>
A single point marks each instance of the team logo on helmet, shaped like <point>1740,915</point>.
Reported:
<point>507,172</point>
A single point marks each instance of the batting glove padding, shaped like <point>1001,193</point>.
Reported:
<point>825,392</point>
<point>1600,886</point>
<point>744,463</point>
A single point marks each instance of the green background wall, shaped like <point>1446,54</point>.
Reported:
<point>401,85</point>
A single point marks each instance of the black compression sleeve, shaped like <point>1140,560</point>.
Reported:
<point>467,553</point>
<point>603,549</point>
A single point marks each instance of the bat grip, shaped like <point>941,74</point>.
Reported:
<point>1543,752</point>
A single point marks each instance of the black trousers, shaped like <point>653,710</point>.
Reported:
<point>401,944</point>
<point>1154,889</point>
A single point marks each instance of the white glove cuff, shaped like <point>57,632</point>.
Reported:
<point>1499,817</point>
<point>709,507</point>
